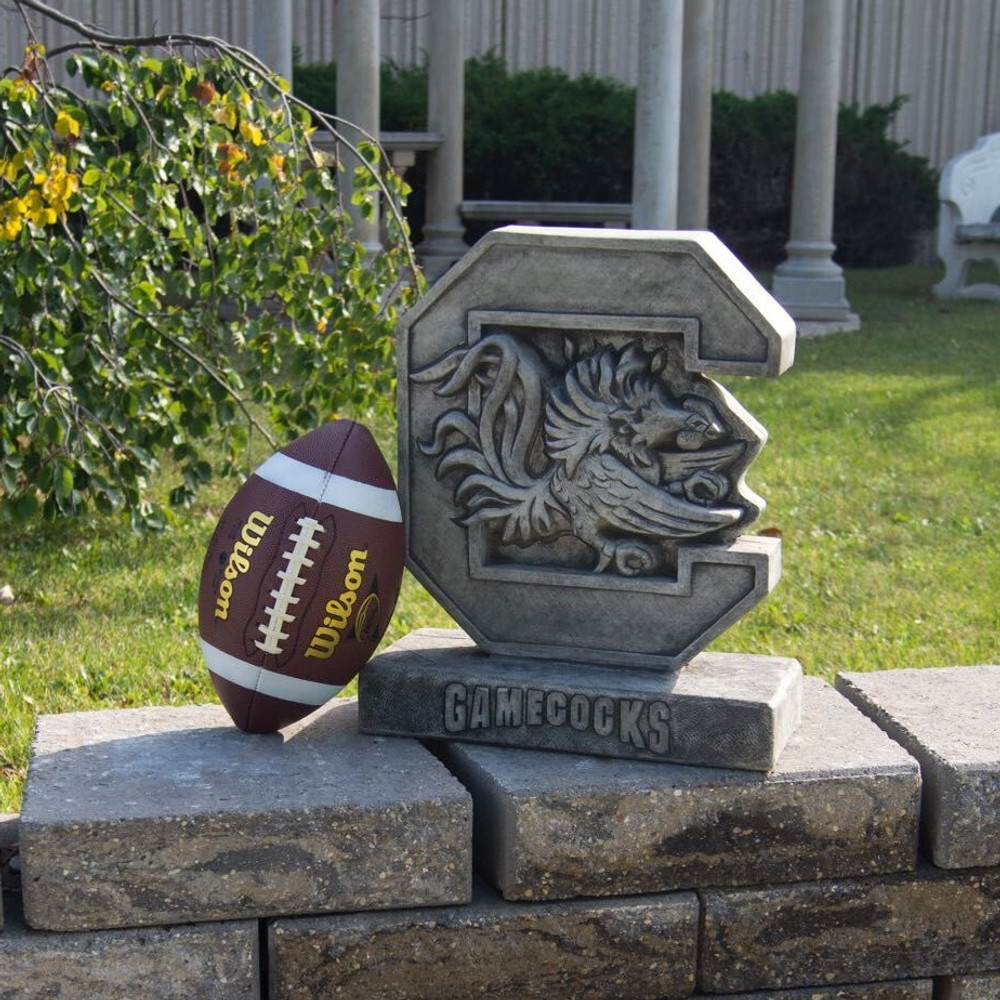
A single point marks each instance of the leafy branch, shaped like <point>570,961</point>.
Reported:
<point>177,270</point>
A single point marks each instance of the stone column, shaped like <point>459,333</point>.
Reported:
<point>657,115</point>
<point>272,35</point>
<point>808,283</point>
<point>696,114</point>
<point>443,235</point>
<point>357,49</point>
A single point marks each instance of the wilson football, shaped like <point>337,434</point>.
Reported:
<point>301,577</point>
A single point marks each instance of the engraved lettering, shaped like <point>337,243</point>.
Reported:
<point>509,711</point>
<point>579,712</point>
<point>454,708</point>
<point>479,711</point>
<point>604,716</point>
<point>659,727</point>
<point>629,711</point>
<point>533,708</point>
<point>555,708</point>
<point>633,721</point>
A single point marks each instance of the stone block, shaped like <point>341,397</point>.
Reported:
<point>163,815</point>
<point>210,961</point>
<point>982,987</point>
<point>911,926</point>
<point>947,719</point>
<point>719,710</point>
<point>910,989</point>
<point>588,949</point>
<point>843,799</point>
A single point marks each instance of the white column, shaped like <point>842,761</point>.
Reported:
<point>808,283</point>
<point>443,235</point>
<point>657,115</point>
<point>272,35</point>
<point>696,114</point>
<point>357,49</point>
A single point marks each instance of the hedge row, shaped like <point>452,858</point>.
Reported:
<point>542,135</point>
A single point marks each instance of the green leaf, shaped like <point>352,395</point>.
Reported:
<point>26,507</point>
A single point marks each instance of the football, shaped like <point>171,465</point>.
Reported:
<point>301,577</point>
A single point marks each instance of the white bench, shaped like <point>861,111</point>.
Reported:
<point>969,219</point>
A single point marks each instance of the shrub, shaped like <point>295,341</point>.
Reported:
<point>753,143</point>
<point>133,215</point>
<point>403,92</point>
<point>885,196</point>
<point>541,135</point>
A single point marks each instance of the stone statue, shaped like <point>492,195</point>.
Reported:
<point>622,449</point>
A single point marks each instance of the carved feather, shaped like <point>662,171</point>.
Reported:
<point>622,500</point>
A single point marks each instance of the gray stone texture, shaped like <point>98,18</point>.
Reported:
<point>210,961</point>
<point>928,923</point>
<point>537,575</point>
<point>911,989</point>
<point>948,719</point>
<point>842,800</point>
<point>636,947</point>
<point>720,710</point>
<point>163,815</point>
<point>982,987</point>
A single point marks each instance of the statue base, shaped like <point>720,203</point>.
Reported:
<point>730,710</point>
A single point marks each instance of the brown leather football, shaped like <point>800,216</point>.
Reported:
<point>301,577</point>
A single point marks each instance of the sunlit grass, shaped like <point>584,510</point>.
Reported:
<point>881,474</point>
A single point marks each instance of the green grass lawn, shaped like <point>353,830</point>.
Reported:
<point>882,474</point>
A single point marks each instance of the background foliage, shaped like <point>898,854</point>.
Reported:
<point>176,265</point>
<point>543,135</point>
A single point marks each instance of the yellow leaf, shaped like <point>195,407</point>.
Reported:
<point>251,133</point>
<point>67,127</point>
<point>225,115</point>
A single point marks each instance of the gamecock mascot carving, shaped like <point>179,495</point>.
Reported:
<point>603,451</point>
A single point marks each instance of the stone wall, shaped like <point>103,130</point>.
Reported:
<point>164,854</point>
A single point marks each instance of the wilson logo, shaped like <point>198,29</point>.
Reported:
<point>239,559</point>
<point>338,609</point>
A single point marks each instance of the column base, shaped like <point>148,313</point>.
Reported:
<point>807,328</point>
<point>811,287</point>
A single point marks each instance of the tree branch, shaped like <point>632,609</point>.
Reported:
<point>249,61</point>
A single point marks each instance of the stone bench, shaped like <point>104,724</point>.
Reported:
<point>612,215</point>
<point>969,219</point>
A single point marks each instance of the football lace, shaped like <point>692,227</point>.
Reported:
<point>297,559</point>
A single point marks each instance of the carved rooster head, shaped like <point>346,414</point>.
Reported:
<point>614,401</point>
